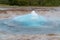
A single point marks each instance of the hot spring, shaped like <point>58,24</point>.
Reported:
<point>30,20</point>
<point>31,23</point>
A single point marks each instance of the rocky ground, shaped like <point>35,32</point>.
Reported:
<point>7,12</point>
<point>30,37</point>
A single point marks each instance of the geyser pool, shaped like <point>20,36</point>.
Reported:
<point>30,23</point>
<point>30,20</point>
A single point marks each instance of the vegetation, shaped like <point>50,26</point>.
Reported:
<point>31,2</point>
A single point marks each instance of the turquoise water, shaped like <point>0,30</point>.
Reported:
<point>29,20</point>
<point>15,28</point>
<point>30,24</point>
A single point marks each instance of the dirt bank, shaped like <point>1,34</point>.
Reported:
<point>7,12</point>
<point>31,37</point>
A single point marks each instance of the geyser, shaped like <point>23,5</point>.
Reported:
<point>32,19</point>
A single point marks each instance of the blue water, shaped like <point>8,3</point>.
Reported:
<point>32,19</point>
<point>14,28</point>
<point>30,24</point>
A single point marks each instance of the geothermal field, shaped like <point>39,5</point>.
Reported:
<point>30,23</point>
